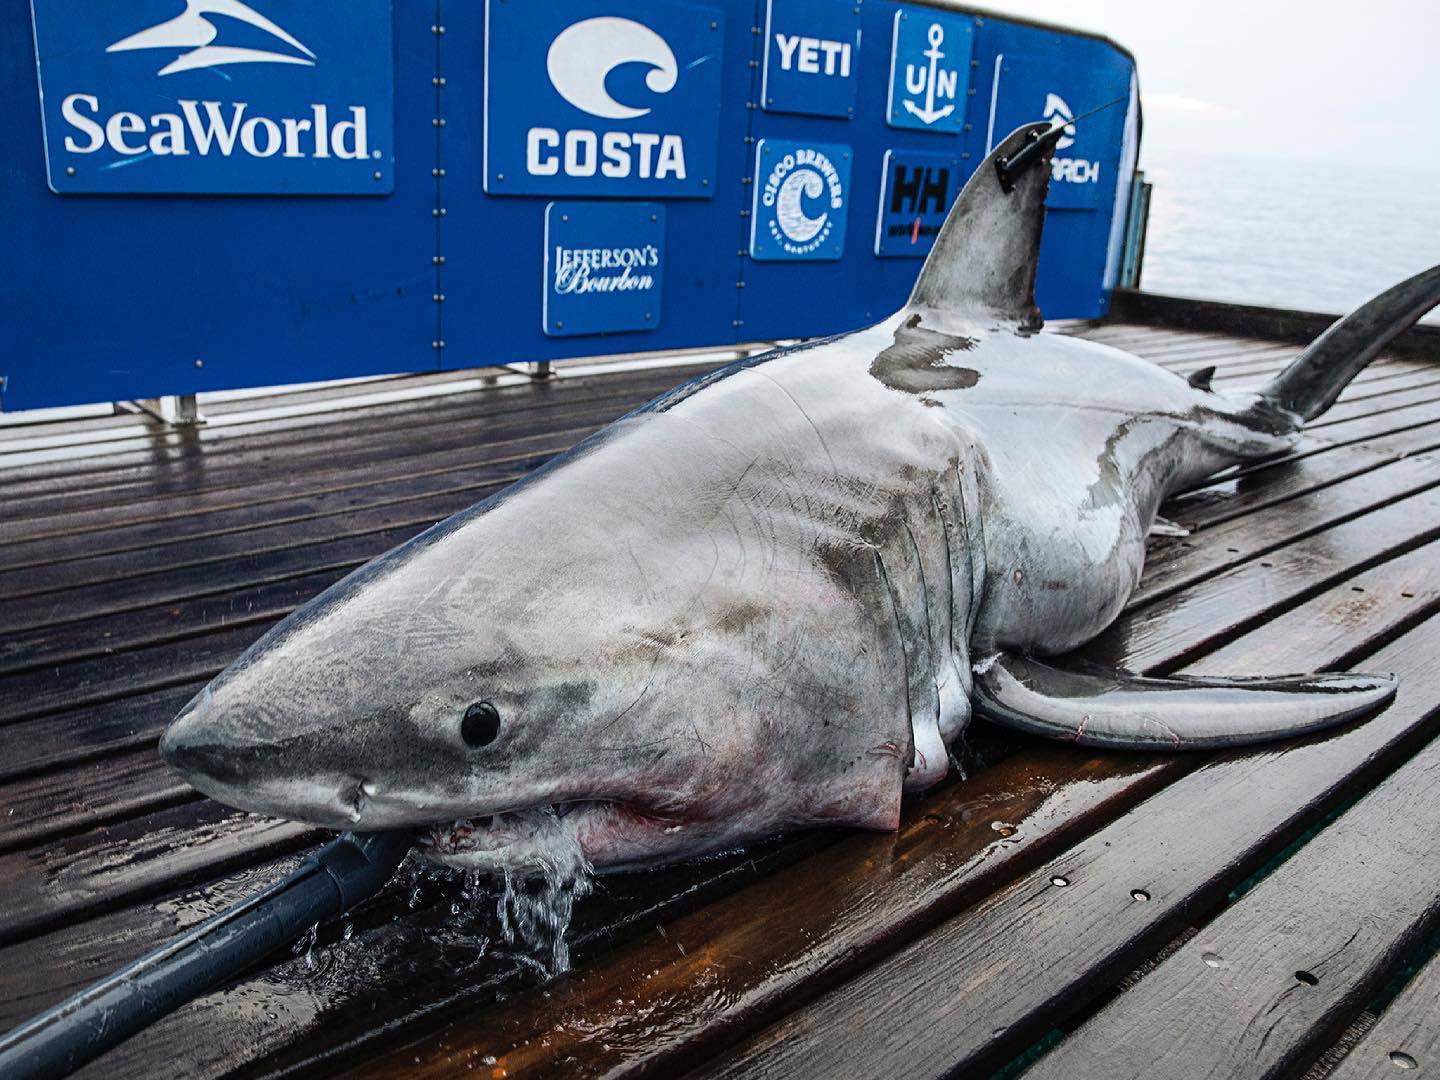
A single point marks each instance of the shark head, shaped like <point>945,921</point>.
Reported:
<point>573,663</point>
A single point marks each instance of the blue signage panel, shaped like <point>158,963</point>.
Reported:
<point>812,57</point>
<point>802,198</point>
<point>1030,88</point>
<point>263,97</point>
<point>604,267</point>
<point>916,190</point>
<point>602,97</point>
<point>929,69</point>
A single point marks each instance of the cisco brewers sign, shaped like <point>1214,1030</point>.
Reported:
<point>224,96</point>
<point>620,97</point>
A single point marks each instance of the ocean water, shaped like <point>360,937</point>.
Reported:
<point>1318,236</point>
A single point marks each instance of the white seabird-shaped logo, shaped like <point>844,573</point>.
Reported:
<point>583,54</point>
<point>192,30</point>
<point>1060,114</point>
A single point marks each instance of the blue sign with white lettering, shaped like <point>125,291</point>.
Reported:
<point>604,267</point>
<point>812,55</point>
<point>916,191</point>
<point>1028,88</point>
<point>802,197</point>
<point>261,97</point>
<point>929,70</point>
<point>602,97</point>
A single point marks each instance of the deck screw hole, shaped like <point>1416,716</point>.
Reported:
<point>1402,1060</point>
<point>1212,959</point>
<point>1059,882</point>
<point>1307,978</point>
<point>1139,894</point>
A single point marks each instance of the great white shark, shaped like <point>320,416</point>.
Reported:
<point>770,598</point>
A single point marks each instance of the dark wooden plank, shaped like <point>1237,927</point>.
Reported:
<point>396,961</point>
<point>97,682</point>
<point>261,538</point>
<point>79,876</point>
<point>739,968</point>
<point>37,491</point>
<point>103,635</point>
<point>283,500</point>
<point>1407,1036</point>
<point>42,971</point>
<point>1391,505</point>
<point>208,578</point>
<point>75,735</point>
<point>986,984</point>
<point>1266,986</point>
<point>263,474</point>
<point>56,804</point>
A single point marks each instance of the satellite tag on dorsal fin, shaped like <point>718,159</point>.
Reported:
<point>984,259</point>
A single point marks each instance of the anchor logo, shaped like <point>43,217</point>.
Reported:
<point>931,81</point>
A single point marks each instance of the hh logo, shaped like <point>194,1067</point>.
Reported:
<point>621,101</point>
<point>192,30</point>
<point>929,70</point>
<point>801,190</point>
<point>245,105</point>
<point>916,191</point>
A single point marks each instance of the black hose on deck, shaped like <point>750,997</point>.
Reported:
<point>331,881</point>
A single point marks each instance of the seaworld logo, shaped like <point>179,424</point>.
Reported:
<point>805,173</point>
<point>201,128</point>
<point>192,30</point>
<point>579,62</point>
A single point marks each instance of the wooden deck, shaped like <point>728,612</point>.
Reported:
<point>1062,912</point>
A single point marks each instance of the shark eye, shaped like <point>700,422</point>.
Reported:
<point>481,724</point>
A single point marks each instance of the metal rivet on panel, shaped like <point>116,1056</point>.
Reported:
<point>199,363</point>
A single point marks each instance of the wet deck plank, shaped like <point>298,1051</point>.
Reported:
<point>134,563</point>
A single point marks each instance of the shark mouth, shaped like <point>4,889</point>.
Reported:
<point>558,838</point>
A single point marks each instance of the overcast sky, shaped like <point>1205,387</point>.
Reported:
<point>1300,79</point>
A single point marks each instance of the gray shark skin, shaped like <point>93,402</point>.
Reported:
<point>769,599</point>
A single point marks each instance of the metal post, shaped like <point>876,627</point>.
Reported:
<point>542,371</point>
<point>1137,220</point>
<point>177,410</point>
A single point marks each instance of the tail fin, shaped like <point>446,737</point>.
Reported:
<point>1315,379</point>
<point>984,258</point>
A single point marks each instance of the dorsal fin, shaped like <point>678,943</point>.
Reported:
<point>1200,380</point>
<point>984,258</point>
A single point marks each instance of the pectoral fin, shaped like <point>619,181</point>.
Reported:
<point>1098,707</point>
